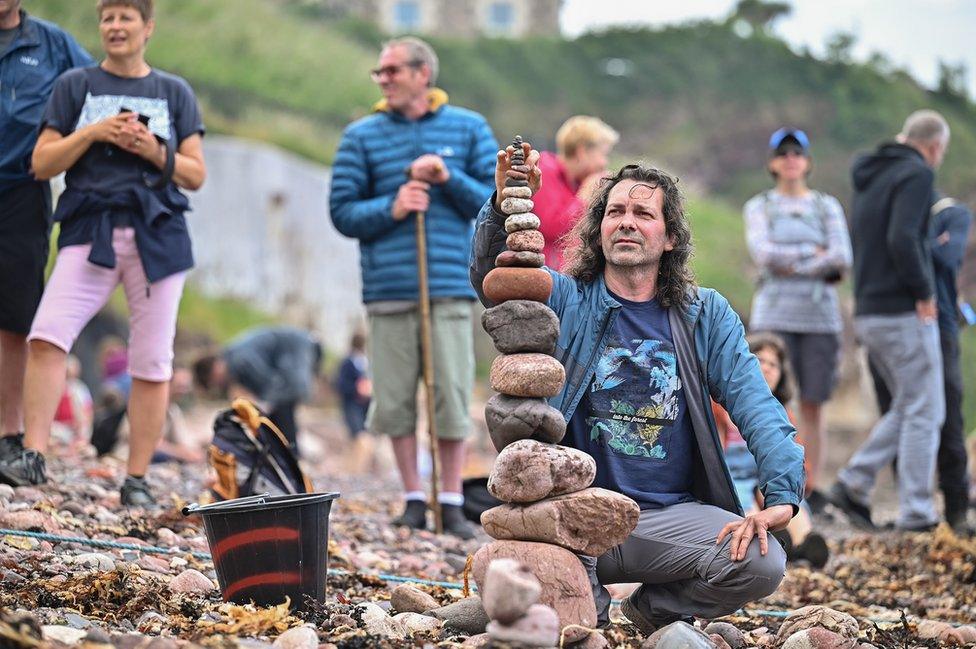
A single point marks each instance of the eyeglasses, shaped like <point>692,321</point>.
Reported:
<point>392,70</point>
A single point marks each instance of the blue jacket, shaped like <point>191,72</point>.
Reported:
<point>952,220</point>
<point>370,167</point>
<point>35,59</point>
<point>714,361</point>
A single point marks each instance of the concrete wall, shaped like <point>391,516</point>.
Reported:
<point>261,232</point>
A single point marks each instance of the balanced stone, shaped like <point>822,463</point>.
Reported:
<point>522,221</point>
<point>510,589</point>
<point>510,419</point>
<point>517,192</point>
<point>539,627</point>
<point>526,241</point>
<point>527,471</point>
<point>517,205</point>
<point>589,522</point>
<point>565,585</point>
<point>503,284</point>
<point>527,375</point>
<point>520,259</point>
<point>522,326</point>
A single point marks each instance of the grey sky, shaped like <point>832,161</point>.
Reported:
<point>914,34</point>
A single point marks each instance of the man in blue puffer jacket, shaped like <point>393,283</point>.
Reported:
<point>415,154</point>
<point>644,351</point>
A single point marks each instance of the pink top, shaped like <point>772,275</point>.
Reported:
<point>557,206</point>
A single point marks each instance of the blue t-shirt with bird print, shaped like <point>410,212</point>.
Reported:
<point>633,418</point>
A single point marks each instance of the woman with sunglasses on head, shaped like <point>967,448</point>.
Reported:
<point>129,138</point>
<point>798,238</point>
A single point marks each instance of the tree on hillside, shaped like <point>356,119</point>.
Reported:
<point>839,46</point>
<point>952,80</point>
<point>759,14</point>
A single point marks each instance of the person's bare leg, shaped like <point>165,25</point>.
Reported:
<point>451,454</point>
<point>43,386</point>
<point>13,364</point>
<point>814,439</point>
<point>405,452</point>
<point>147,414</point>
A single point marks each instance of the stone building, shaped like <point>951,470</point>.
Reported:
<point>458,18</point>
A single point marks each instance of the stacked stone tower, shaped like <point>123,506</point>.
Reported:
<point>550,512</point>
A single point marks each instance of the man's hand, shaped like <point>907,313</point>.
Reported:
<point>430,169</point>
<point>411,197</point>
<point>504,170</point>
<point>772,518</point>
<point>926,310</point>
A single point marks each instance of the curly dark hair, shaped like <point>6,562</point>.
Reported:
<point>584,250</point>
<point>783,391</point>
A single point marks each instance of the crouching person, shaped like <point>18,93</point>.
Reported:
<point>644,350</point>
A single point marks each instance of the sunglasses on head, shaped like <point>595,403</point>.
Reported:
<point>392,70</point>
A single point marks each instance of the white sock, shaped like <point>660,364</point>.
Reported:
<point>450,498</point>
<point>415,495</point>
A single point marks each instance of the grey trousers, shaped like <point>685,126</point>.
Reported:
<point>683,572</point>
<point>908,357</point>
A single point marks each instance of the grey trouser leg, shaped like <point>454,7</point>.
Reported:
<point>673,554</point>
<point>907,355</point>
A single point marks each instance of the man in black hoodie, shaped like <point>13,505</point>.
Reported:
<point>896,319</point>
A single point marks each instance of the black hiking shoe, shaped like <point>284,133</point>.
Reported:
<point>858,514</point>
<point>23,467</point>
<point>135,493</point>
<point>414,515</point>
<point>817,501</point>
<point>956,513</point>
<point>11,445</point>
<point>813,549</point>
<point>454,522</point>
<point>645,625</point>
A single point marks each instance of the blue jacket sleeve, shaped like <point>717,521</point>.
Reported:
<point>468,188</point>
<point>354,212</point>
<point>737,384</point>
<point>953,222</point>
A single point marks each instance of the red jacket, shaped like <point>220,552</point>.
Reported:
<point>556,205</point>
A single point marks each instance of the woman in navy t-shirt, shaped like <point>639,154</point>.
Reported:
<point>128,137</point>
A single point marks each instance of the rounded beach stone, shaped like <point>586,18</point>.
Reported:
<point>527,375</point>
<point>517,205</point>
<point>522,326</point>
<point>517,192</point>
<point>527,471</point>
<point>522,221</point>
<point>510,419</point>
<point>512,283</point>
<point>526,241</point>
<point>520,259</point>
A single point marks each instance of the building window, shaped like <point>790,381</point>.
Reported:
<point>406,15</point>
<point>501,17</point>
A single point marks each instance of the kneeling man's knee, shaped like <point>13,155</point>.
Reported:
<point>766,572</point>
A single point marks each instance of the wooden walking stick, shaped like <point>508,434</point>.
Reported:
<point>426,349</point>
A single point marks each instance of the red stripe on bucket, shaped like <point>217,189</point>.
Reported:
<point>261,535</point>
<point>263,579</point>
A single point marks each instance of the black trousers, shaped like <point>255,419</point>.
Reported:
<point>953,477</point>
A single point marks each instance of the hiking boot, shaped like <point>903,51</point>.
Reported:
<point>135,493</point>
<point>813,549</point>
<point>645,625</point>
<point>414,515</point>
<point>858,514</point>
<point>23,467</point>
<point>11,445</point>
<point>454,522</point>
<point>956,512</point>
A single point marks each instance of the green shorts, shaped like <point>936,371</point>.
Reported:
<point>395,363</point>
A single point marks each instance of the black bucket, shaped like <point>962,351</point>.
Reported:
<point>266,548</point>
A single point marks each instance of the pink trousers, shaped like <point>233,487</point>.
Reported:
<point>78,289</point>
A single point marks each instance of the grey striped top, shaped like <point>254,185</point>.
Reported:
<point>796,242</point>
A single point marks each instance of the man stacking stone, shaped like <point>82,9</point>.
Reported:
<point>551,512</point>
<point>643,350</point>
